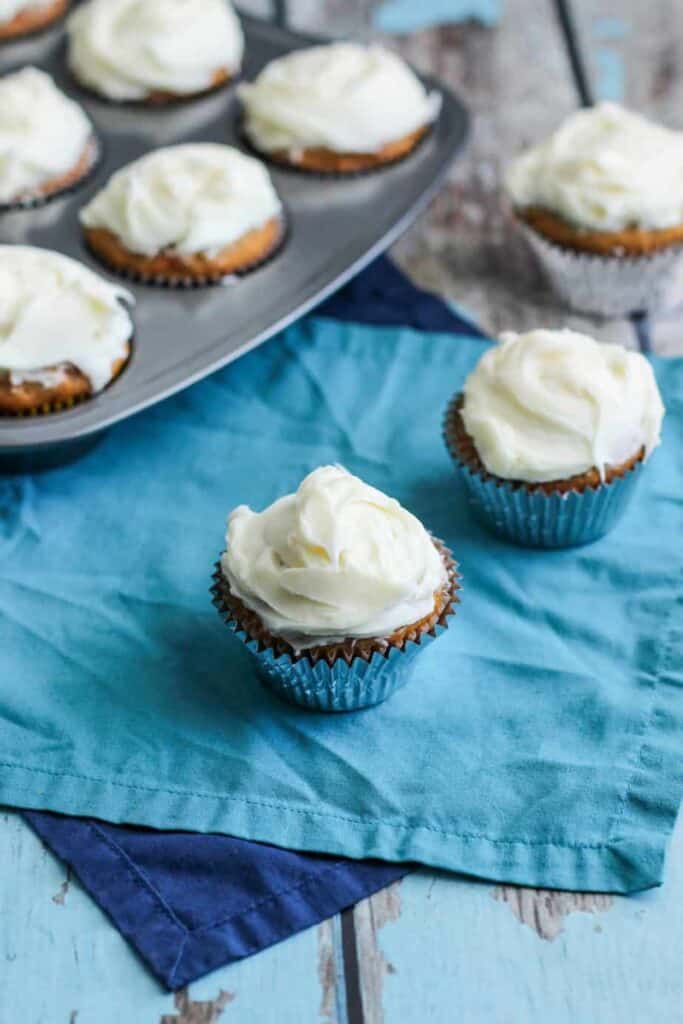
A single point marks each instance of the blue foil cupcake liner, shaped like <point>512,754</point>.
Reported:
<point>531,517</point>
<point>341,683</point>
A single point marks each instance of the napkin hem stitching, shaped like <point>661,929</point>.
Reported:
<point>320,814</point>
<point>141,878</point>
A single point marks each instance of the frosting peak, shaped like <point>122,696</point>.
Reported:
<point>337,559</point>
<point>343,97</point>
<point>10,8</point>
<point>198,197</point>
<point>548,405</point>
<point>43,134</point>
<point>54,311</point>
<point>127,49</point>
<point>605,168</point>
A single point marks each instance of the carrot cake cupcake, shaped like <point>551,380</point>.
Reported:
<point>337,108</point>
<point>596,198</point>
<point>24,17</point>
<point>64,331</point>
<point>154,51</point>
<point>550,434</point>
<point>188,214</point>
<point>334,589</point>
<point>47,144</point>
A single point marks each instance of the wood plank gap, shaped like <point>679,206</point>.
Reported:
<point>572,45</point>
<point>352,982</point>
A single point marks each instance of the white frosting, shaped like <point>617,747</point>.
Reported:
<point>337,559</point>
<point>605,168</point>
<point>43,134</point>
<point>548,405</point>
<point>344,97</point>
<point>54,310</point>
<point>10,8</point>
<point>126,49</point>
<point>194,198</point>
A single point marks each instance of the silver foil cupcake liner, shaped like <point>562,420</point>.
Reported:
<point>533,518</point>
<point>609,286</point>
<point>190,283</point>
<point>341,685</point>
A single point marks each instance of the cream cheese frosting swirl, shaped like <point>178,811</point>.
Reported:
<point>337,559</point>
<point>43,134</point>
<point>343,97</point>
<point>128,49</point>
<point>193,198</point>
<point>605,168</point>
<point>55,311</point>
<point>548,405</point>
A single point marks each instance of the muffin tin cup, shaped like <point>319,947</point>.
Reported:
<point>608,286</point>
<point>37,201</point>
<point>191,282</point>
<point>340,685</point>
<point>532,518</point>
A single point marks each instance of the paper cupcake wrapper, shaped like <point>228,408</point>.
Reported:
<point>189,282</point>
<point>88,92</point>
<point>341,685</point>
<point>331,175</point>
<point>535,519</point>
<point>609,286</point>
<point>36,202</point>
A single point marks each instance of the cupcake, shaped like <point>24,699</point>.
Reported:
<point>64,332</point>
<point>184,215</point>
<point>47,144</point>
<point>550,435</point>
<point>339,108</point>
<point>24,17</point>
<point>601,203</point>
<point>154,51</point>
<point>334,590</point>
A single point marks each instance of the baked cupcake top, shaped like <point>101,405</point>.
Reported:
<point>193,198</point>
<point>549,405</point>
<point>55,311</point>
<point>129,49</point>
<point>342,97</point>
<point>43,134</point>
<point>605,169</point>
<point>336,560</point>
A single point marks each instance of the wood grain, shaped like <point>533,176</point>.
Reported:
<point>545,910</point>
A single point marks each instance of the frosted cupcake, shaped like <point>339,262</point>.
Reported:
<point>189,214</point>
<point>338,108</point>
<point>47,144</point>
<point>334,589</point>
<point>550,435</point>
<point>154,51</point>
<point>601,202</point>
<point>64,331</point>
<point>24,17</point>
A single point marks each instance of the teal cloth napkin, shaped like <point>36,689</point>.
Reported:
<point>539,741</point>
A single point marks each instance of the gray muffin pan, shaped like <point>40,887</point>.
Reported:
<point>335,227</point>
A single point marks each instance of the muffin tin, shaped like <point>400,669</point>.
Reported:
<point>335,227</point>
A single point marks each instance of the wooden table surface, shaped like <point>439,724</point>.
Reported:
<point>433,948</point>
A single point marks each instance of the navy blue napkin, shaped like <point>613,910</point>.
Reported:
<point>190,903</point>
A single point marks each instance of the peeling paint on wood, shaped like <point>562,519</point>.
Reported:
<point>544,910</point>
<point>60,896</point>
<point>369,917</point>
<point>193,1012</point>
<point>327,973</point>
